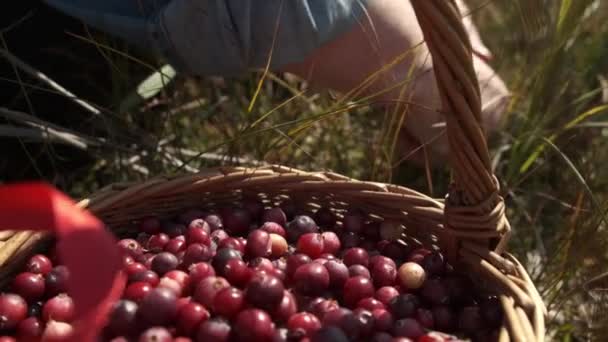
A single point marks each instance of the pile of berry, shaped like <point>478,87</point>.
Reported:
<point>254,274</point>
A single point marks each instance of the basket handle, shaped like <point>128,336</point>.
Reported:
<point>474,209</point>
<point>84,246</point>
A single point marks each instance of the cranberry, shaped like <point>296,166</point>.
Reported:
<point>214,221</point>
<point>134,267</point>
<point>278,245</point>
<point>338,273</point>
<point>384,272</point>
<point>55,282</point>
<point>39,264</point>
<point>311,279</point>
<point>433,263</point>
<point>264,292</point>
<point>303,324</point>
<point>150,225</point>
<point>130,247</point>
<point>435,292</point>
<point>258,244</point>
<point>273,228</point>
<point>29,285</point>
<point>122,320</point>
<point>237,272</point>
<point>236,220</point>
<point>175,245</point>
<point>281,335</point>
<point>321,306</point>
<point>159,307</point>
<point>147,276</point>
<point>195,253</point>
<point>200,271</point>
<point>364,322</point>
<point>444,318</point>
<point>253,325</point>
<point>404,305</point>
<point>336,316</point>
<point>301,225</point>
<point>215,329</point>
<point>310,244</point>
<point>353,221</point>
<point>228,302</point>
<point>395,250</point>
<point>137,291</point>
<point>383,319</point>
<point>370,303</point>
<point>155,334</point>
<point>386,293</point>
<point>296,260</point>
<point>208,288</point>
<point>359,270</point>
<point>233,243</point>
<point>275,215</point>
<point>349,240</point>
<point>491,311</point>
<point>181,277</point>
<point>329,334</point>
<point>357,288</point>
<point>261,264</point>
<point>59,308</point>
<point>408,327</point>
<point>30,329</point>
<point>286,308</point>
<point>325,217</point>
<point>411,275</point>
<point>425,318</point>
<point>142,239</point>
<point>190,316</point>
<point>198,234</point>
<point>172,285</point>
<point>386,337</point>
<point>164,262</point>
<point>222,257</point>
<point>173,229</point>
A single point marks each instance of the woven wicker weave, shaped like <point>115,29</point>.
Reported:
<point>470,225</point>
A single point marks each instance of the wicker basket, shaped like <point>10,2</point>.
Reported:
<point>469,225</point>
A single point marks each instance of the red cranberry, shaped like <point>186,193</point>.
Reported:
<point>122,320</point>
<point>214,221</point>
<point>356,256</point>
<point>39,264</point>
<point>150,225</point>
<point>261,264</point>
<point>237,272</point>
<point>301,225</point>
<point>386,293</point>
<point>196,234</point>
<point>28,285</point>
<point>181,277</point>
<point>59,308</point>
<point>159,307</point>
<point>336,316</point>
<point>208,288</point>
<point>404,305</point>
<point>236,220</point>
<point>200,271</point>
<point>264,292</point>
<point>383,319</point>
<point>275,215</point>
<point>13,309</point>
<point>258,244</point>
<point>196,253</point>
<point>219,235</point>
<point>311,279</point>
<point>286,308</point>
<point>411,275</point>
<point>172,285</point>
<point>228,302</point>
<point>278,245</point>
<point>384,273</point>
<point>444,318</point>
<point>357,288</point>
<point>353,221</point>
<point>134,267</point>
<point>222,257</point>
<point>233,243</point>
<point>190,316</point>
<point>156,334</point>
<point>434,263</point>
<point>359,270</point>
<point>338,273</point>
<point>331,242</point>
<point>215,329</point>
<point>174,246</point>
<point>364,322</point>
<point>163,263</point>
<point>294,261</point>
<point>55,282</point>
<point>130,247</point>
<point>273,228</point>
<point>57,331</point>
<point>200,224</point>
<point>303,324</point>
<point>435,292</point>
<point>349,240</point>
<point>325,217</point>
<point>137,291</point>
<point>371,304</point>
<point>310,244</point>
<point>30,329</point>
<point>329,334</point>
<point>146,276</point>
<point>408,327</point>
<point>253,325</point>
